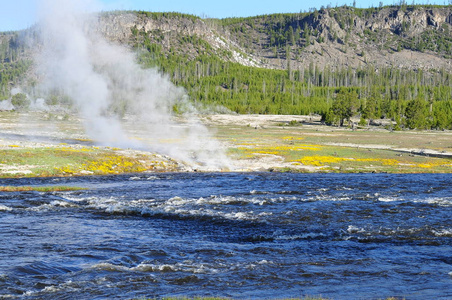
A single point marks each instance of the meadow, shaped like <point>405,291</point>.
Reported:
<point>253,143</point>
<point>292,146</point>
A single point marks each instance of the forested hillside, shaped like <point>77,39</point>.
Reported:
<point>13,62</point>
<point>385,62</point>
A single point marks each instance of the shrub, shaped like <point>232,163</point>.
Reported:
<point>20,101</point>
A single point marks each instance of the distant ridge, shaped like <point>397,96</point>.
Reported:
<point>410,37</point>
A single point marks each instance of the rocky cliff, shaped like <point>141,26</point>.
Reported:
<point>411,37</point>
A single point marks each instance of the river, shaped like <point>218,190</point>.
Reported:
<point>239,235</point>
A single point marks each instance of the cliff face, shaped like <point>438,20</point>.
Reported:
<point>183,34</point>
<point>412,37</point>
<point>421,20</point>
<point>404,37</point>
<point>117,27</point>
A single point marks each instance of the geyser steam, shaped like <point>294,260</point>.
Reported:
<point>101,77</point>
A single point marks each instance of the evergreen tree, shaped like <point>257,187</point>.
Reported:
<point>416,114</point>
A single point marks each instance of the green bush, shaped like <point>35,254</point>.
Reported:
<point>20,101</point>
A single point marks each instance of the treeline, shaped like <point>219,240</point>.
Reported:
<point>169,15</point>
<point>280,30</point>
<point>13,65</point>
<point>412,99</point>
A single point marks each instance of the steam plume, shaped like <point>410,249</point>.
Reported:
<point>101,77</point>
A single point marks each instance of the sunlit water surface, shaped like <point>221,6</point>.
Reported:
<point>264,235</point>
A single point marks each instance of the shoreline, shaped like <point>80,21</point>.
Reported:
<point>36,145</point>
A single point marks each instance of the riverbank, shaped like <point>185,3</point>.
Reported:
<point>303,144</point>
<point>45,144</point>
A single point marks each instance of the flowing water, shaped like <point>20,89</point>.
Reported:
<point>241,235</point>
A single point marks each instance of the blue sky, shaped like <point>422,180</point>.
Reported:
<point>20,14</point>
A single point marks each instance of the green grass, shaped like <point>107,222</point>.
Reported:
<point>314,148</point>
<point>302,149</point>
<point>44,189</point>
<point>68,161</point>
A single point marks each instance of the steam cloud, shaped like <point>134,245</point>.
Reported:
<point>101,77</point>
